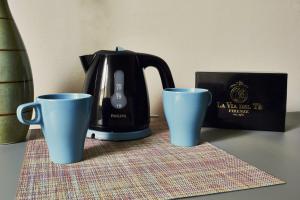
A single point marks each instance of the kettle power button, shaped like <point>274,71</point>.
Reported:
<point>118,100</point>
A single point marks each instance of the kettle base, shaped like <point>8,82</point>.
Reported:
<point>118,136</point>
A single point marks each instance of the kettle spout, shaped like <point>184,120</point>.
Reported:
<point>86,61</point>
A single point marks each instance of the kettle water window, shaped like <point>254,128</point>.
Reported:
<point>118,99</point>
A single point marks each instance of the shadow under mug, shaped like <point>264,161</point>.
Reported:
<point>64,119</point>
<point>185,109</point>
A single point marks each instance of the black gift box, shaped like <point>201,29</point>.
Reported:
<point>255,101</point>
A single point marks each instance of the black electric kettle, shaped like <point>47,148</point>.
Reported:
<point>121,104</point>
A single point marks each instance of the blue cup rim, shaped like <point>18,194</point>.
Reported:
<point>185,90</point>
<point>64,97</point>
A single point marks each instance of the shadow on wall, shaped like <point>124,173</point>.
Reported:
<point>157,109</point>
<point>292,121</point>
<point>73,82</point>
<point>94,18</point>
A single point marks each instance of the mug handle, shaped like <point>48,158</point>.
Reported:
<point>38,114</point>
<point>210,98</point>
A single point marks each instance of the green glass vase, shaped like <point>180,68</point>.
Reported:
<point>16,85</point>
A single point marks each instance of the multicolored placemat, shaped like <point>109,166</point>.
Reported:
<point>150,168</point>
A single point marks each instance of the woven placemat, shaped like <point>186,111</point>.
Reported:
<point>150,168</point>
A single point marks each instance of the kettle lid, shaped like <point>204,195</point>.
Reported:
<point>118,51</point>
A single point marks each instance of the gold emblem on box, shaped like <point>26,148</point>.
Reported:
<point>238,93</point>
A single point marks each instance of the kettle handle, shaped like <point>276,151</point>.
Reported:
<point>147,60</point>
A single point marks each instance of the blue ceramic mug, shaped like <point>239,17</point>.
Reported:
<point>64,119</point>
<point>185,110</point>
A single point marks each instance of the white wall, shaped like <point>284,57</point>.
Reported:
<point>191,35</point>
